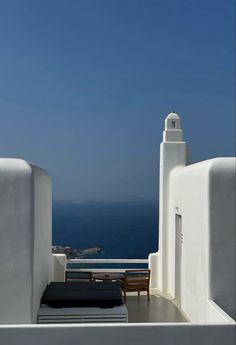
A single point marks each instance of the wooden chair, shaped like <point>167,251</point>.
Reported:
<point>136,280</point>
<point>78,276</point>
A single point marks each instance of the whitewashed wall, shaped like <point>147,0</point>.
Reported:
<point>25,245</point>
<point>202,194</point>
<point>58,267</point>
<point>222,208</point>
<point>136,334</point>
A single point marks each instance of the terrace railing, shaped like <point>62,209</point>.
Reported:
<point>112,265</point>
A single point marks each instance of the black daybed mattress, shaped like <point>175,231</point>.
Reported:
<point>82,294</point>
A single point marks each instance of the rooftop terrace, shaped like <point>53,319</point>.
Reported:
<point>158,309</point>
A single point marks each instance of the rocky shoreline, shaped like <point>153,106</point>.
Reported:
<point>73,253</point>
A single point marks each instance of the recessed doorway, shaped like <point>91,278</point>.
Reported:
<point>178,257</point>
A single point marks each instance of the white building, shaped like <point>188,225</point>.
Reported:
<point>195,264</point>
<point>197,229</point>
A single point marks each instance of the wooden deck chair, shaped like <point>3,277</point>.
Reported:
<point>136,280</point>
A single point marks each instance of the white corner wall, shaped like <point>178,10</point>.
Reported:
<point>58,267</point>
<point>25,246</point>
<point>203,194</point>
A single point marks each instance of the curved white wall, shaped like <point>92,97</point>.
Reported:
<point>204,195</point>
<point>25,245</point>
<point>222,223</point>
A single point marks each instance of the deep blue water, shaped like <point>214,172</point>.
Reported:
<point>121,229</point>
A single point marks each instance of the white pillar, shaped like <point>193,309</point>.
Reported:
<point>58,267</point>
<point>173,153</point>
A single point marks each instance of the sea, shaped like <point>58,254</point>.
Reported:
<point>123,229</point>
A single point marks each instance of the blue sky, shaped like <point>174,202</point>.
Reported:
<point>85,87</point>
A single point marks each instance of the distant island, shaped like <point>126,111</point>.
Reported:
<point>73,253</point>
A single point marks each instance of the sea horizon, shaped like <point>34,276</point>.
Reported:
<point>126,227</point>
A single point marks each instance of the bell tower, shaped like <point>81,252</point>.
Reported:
<point>173,131</point>
<point>173,153</point>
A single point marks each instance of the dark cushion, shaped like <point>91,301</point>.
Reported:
<point>82,294</point>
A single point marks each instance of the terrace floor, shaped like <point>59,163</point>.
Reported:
<point>158,309</point>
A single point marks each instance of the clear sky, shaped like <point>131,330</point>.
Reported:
<point>85,86</point>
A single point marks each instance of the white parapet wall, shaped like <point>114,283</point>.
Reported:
<point>153,266</point>
<point>25,246</point>
<point>216,315</point>
<point>116,334</point>
<point>58,267</point>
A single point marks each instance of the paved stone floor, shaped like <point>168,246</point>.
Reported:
<point>158,309</point>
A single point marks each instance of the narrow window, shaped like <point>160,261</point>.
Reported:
<point>173,124</point>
